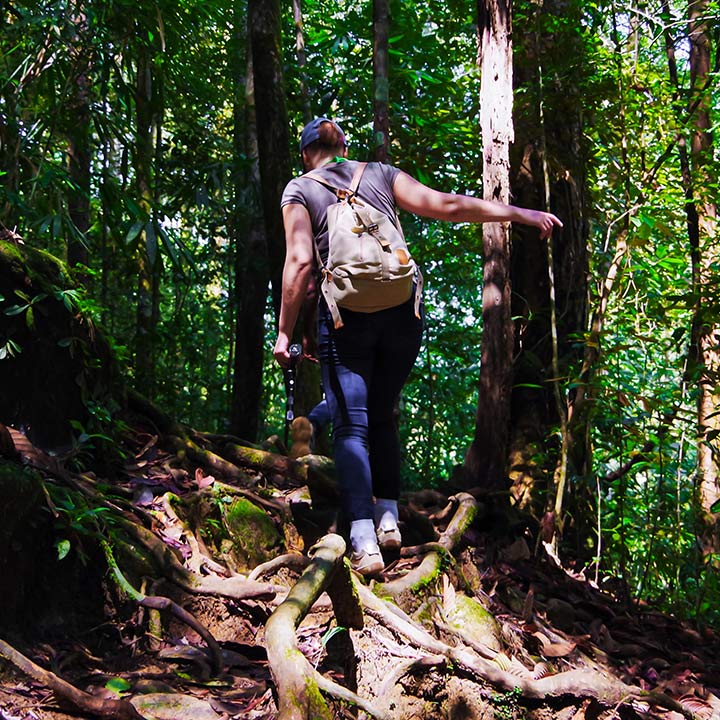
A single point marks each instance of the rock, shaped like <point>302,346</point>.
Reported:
<point>170,706</point>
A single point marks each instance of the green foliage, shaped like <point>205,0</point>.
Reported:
<point>505,705</point>
<point>608,63</point>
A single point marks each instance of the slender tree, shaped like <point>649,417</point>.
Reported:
<point>705,256</point>
<point>381,78</point>
<point>272,128</point>
<point>252,274</point>
<point>147,256</point>
<point>486,459</point>
<point>78,132</point>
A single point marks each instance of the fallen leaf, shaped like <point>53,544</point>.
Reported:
<point>551,649</point>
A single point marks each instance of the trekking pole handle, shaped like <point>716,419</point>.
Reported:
<point>295,352</point>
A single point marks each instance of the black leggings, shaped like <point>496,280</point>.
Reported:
<point>365,364</point>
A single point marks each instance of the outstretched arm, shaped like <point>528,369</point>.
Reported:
<point>297,271</point>
<point>420,199</point>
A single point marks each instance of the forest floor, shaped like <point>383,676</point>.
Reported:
<point>488,627</point>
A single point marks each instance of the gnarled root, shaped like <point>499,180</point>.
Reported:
<point>157,602</point>
<point>465,512</point>
<point>236,588</point>
<point>580,683</point>
<point>297,682</point>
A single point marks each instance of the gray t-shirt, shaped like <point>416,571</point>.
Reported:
<point>376,186</point>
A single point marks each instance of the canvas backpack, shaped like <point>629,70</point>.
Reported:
<point>369,266</point>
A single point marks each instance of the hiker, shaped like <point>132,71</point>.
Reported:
<point>365,357</point>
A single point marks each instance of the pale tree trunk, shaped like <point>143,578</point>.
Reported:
<point>706,330</point>
<point>381,78</point>
<point>486,459</point>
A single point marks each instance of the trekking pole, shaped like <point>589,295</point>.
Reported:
<point>295,352</point>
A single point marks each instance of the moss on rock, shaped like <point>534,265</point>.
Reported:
<point>474,621</point>
<point>254,537</point>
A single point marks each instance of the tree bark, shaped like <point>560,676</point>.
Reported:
<point>706,330</point>
<point>381,78</point>
<point>486,459</point>
<point>78,152</point>
<point>147,242</point>
<point>272,128</point>
<point>252,273</point>
<point>549,281</point>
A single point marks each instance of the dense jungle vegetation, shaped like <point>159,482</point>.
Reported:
<point>140,145</point>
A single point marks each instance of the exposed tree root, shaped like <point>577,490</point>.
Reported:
<point>404,668</point>
<point>273,506</point>
<point>266,462</point>
<point>295,561</point>
<point>431,565</point>
<point>302,691</point>
<point>156,602</point>
<point>184,448</point>
<point>296,681</point>
<point>82,701</point>
<point>237,588</point>
<point>577,683</point>
<point>179,438</point>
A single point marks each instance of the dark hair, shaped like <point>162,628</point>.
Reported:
<point>330,137</point>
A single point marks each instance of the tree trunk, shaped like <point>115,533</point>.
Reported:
<point>300,54</point>
<point>381,79</point>
<point>252,273</point>
<point>147,241</point>
<point>550,302</point>
<point>272,128</point>
<point>486,459</point>
<point>706,330</point>
<point>78,152</point>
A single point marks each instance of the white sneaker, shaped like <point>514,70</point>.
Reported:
<point>389,538</point>
<point>368,561</point>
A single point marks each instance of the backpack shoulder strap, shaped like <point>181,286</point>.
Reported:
<point>339,191</point>
<point>357,176</point>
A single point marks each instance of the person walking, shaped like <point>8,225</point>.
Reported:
<point>367,357</point>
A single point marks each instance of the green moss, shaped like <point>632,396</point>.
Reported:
<point>475,621</point>
<point>442,560</point>
<point>316,705</point>
<point>48,265</point>
<point>253,534</point>
<point>257,457</point>
<point>11,254</point>
<point>42,267</point>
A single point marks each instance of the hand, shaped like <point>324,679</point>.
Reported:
<point>545,222</point>
<point>281,351</point>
